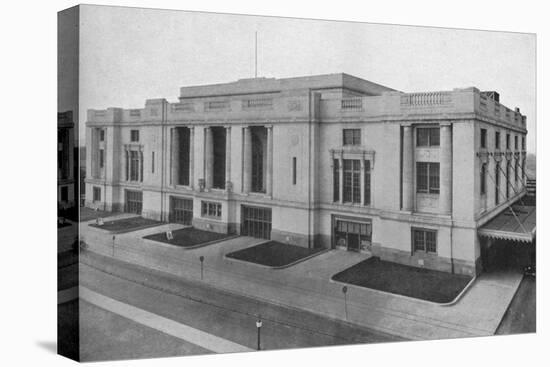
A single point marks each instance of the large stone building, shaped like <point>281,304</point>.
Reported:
<point>329,161</point>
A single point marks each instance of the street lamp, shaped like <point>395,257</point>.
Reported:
<point>345,291</point>
<point>202,266</point>
<point>113,246</point>
<point>259,326</point>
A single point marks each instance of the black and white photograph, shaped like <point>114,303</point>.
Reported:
<point>235,183</point>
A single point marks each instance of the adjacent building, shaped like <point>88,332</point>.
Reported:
<point>66,163</point>
<point>330,161</point>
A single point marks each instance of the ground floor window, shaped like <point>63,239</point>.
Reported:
<point>424,240</point>
<point>211,209</point>
<point>181,210</point>
<point>96,193</point>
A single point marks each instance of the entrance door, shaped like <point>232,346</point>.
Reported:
<point>352,235</point>
<point>256,222</point>
<point>181,210</point>
<point>134,202</point>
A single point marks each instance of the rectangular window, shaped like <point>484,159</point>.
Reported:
<point>497,140</point>
<point>516,142</point>
<point>516,169</point>
<point>64,193</point>
<point>497,183</point>
<point>508,164</point>
<point>134,165</point>
<point>101,158</point>
<point>152,162</point>
<point>427,177</point>
<point>523,143</point>
<point>507,141</point>
<point>294,170</point>
<point>427,137</point>
<point>102,135</point>
<point>96,193</point>
<point>336,180</point>
<point>483,179</point>
<point>367,183</point>
<point>211,209</point>
<point>424,240</point>
<point>134,135</point>
<point>483,138</point>
<point>352,136</point>
<point>352,181</point>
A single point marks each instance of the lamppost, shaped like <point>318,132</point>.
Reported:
<point>202,266</point>
<point>113,246</point>
<point>345,291</point>
<point>259,327</point>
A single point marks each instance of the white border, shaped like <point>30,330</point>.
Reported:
<point>28,157</point>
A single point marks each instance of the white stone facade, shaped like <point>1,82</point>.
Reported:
<point>278,144</point>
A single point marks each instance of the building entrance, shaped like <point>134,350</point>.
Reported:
<point>181,210</point>
<point>133,202</point>
<point>256,222</point>
<point>352,235</point>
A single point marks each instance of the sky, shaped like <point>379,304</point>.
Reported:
<point>129,55</point>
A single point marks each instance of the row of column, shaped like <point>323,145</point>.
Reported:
<point>209,158</point>
<point>445,169</point>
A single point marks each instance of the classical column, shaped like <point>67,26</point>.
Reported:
<point>445,169</point>
<point>228,158</point>
<point>175,156</point>
<point>247,160</point>
<point>191,156</point>
<point>362,183</point>
<point>269,173</point>
<point>341,177</point>
<point>408,162</point>
<point>209,158</point>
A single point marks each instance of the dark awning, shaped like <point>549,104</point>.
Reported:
<point>518,224</point>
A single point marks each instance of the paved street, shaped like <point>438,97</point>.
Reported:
<point>522,313</point>
<point>307,286</point>
<point>189,307</point>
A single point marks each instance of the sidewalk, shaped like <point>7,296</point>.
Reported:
<point>307,286</point>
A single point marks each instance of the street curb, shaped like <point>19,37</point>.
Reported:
<point>446,304</point>
<point>274,267</point>
<point>122,231</point>
<point>199,245</point>
<point>374,328</point>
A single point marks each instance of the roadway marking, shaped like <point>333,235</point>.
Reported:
<point>165,325</point>
<point>67,295</point>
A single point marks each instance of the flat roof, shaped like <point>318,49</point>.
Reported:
<point>518,223</point>
<point>273,85</point>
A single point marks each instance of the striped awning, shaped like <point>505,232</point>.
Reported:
<point>517,223</point>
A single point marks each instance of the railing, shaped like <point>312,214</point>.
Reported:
<point>352,104</point>
<point>426,99</point>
